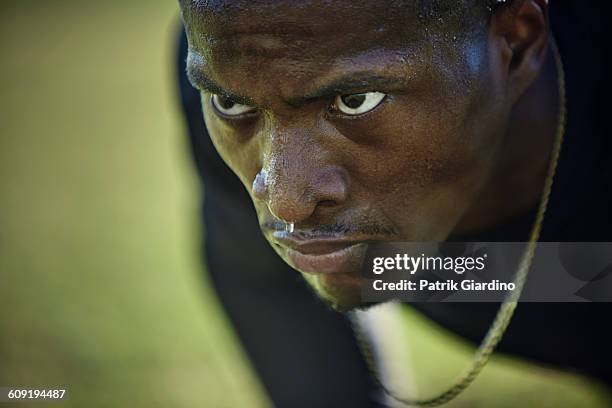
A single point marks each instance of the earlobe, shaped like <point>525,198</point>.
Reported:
<point>523,28</point>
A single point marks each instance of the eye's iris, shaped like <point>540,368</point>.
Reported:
<point>353,101</point>
<point>226,103</point>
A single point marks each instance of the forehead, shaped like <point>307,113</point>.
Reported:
<point>292,20</point>
<point>289,43</point>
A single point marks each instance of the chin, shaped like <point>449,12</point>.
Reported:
<point>342,292</point>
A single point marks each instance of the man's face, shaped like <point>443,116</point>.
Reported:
<point>353,121</point>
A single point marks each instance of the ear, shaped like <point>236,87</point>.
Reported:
<point>521,30</point>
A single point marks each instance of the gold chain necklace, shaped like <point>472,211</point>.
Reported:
<point>506,310</point>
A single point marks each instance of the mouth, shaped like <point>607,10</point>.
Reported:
<point>329,255</point>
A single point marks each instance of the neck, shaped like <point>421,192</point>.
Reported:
<point>518,179</point>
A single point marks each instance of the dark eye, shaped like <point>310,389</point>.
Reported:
<point>356,104</point>
<point>228,107</point>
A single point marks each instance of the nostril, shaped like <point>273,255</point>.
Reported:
<point>327,203</point>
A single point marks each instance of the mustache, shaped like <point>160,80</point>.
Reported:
<point>336,228</point>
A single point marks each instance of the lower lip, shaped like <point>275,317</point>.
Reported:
<point>345,260</point>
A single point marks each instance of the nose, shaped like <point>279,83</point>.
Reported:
<point>295,186</point>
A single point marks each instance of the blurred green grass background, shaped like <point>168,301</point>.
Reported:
<point>101,287</point>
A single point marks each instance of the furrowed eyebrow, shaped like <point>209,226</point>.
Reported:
<point>203,83</point>
<point>351,83</point>
<point>348,84</point>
